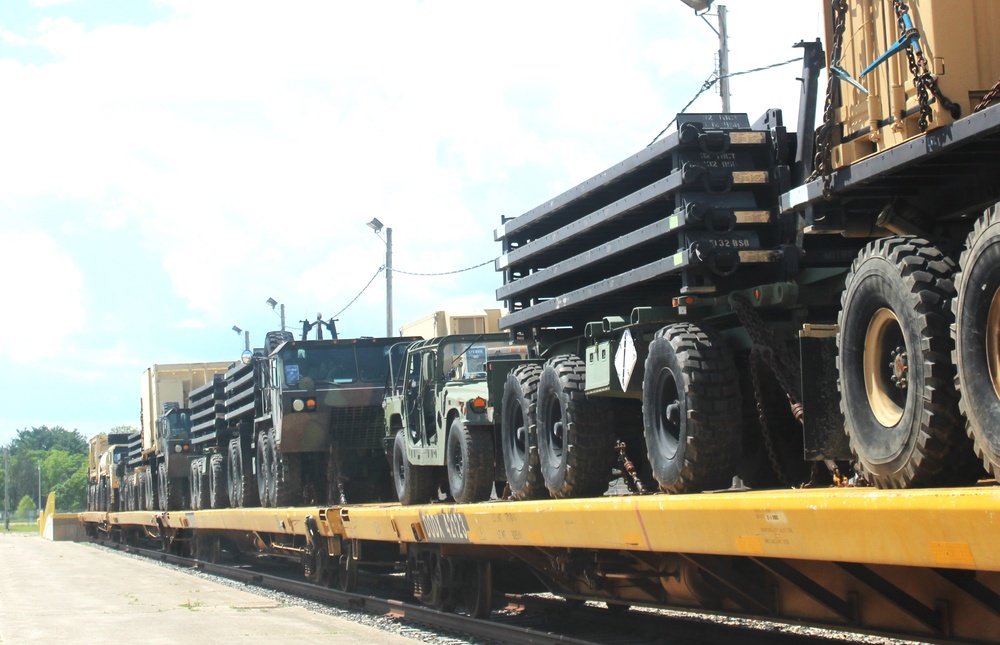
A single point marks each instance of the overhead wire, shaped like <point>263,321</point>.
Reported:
<point>415,273</point>
<point>710,82</point>
<point>707,85</point>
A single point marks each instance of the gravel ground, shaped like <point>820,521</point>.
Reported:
<point>375,621</point>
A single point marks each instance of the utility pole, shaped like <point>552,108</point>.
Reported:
<point>6,488</point>
<point>388,282</point>
<point>723,58</point>
<point>39,489</point>
<point>701,9</point>
<point>377,226</point>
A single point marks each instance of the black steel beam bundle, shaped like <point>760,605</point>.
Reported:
<point>207,404</point>
<point>694,213</point>
<point>239,388</point>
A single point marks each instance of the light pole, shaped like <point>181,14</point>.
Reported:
<point>39,489</point>
<point>274,303</point>
<point>6,488</point>
<point>246,336</point>
<point>722,32</point>
<point>376,226</point>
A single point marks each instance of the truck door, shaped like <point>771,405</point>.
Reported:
<point>428,394</point>
<point>412,404</point>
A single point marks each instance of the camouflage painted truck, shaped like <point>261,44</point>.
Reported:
<point>298,422</point>
<point>105,470</point>
<point>442,431</point>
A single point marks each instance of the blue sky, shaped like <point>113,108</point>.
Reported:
<point>168,166</point>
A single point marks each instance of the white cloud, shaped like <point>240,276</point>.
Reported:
<point>43,294</point>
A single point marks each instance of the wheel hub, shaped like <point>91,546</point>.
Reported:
<point>885,368</point>
<point>899,366</point>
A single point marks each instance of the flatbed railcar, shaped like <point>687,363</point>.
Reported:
<point>910,564</point>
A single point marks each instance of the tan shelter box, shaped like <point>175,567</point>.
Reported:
<point>959,39</point>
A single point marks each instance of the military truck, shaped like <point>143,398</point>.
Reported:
<point>105,469</point>
<point>738,300</point>
<point>442,431</point>
<point>296,422</point>
<point>159,454</point>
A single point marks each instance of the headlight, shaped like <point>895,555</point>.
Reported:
<point>177,448</point>
<point>298,405</point>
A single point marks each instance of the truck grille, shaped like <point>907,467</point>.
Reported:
<point>361,427</point>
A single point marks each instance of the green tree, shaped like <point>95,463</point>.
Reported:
<point>46,438</point>
<point>26,508</point>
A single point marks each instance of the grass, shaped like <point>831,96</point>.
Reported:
<point>21,527</point>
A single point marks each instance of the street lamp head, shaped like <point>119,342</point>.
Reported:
<point>374,225</point>
<point>699,5</point>
<point>272,302</point>
<point>237,329</point>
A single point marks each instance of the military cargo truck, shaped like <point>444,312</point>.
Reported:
<point>739,300</point>
<point>297,422</point>
<point>159,457</point>
<point>105,470</point>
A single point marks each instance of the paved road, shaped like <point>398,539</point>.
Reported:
<point>54,592</point>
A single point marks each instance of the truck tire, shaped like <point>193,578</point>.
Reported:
<point>574,434</point>
<point>218,494</point>
<point>287,474</point>
<point>414,484</point>
<point>199,484</point>
<point>152,490</point>
<point>161,487</point>
<point>519,433</point>
<point>469,462</point>
<point>896,376</point>
<point>265,470</point>
<point>274,338</point>
<point>691,410</point>
<point>242,487</point>
<point>977,338</point>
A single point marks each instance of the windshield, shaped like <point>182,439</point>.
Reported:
<point>467,361</point>
<point>337,365</point>
<point>175,424</point>
<point>119,454</point>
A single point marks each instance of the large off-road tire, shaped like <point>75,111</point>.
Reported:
<point>274,338</point>
<point>141,502</point>
<point>242,487</point>
<point>691,410</point>
<point>574,434</point>
<point>171,491</point>
<point>519,434</point>
<point>218,493</point>
<point>287,472</point>
<point>161,487</point>
<point>152,490</point>
<point>977,338</point>
<point>894,356</point>
<point>265,470</point>
<point>199,485</point>
<point>414,484</point>
<point>469,462</point>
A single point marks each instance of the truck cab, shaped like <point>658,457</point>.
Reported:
<point>439,416</point>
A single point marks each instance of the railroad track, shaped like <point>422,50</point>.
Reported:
<point>517,619</point>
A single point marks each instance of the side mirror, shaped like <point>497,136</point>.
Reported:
<point>246,356</point>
